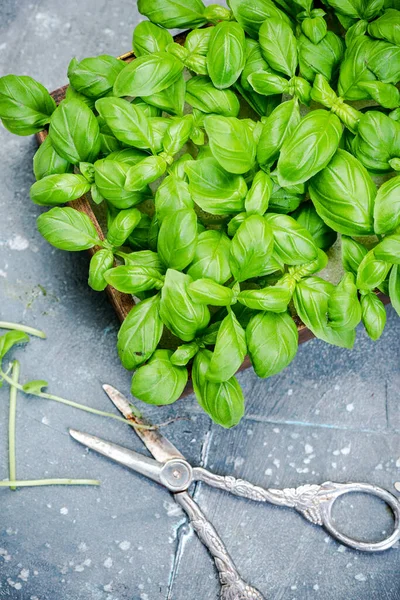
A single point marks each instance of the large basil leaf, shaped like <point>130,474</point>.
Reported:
<point>122,226</point>
<point>385,94</point>
<point>208,291</point>
<point>387,27</point>
<point>68,229</point>
<point>74,132</point>
<point>127,122</point>
<point>352,254</point>
<point>159,381</point>
<point>377,141</point>
<point>172,195</point>
<point>311,299</point>
<point>25,105</point>
<point>226,54</point>
<point>149,38</point>
<point>343,194</point>
<point>394,288</point>
<point>251,247</point>
<point>258,196</point>
<point>148,74</point>
<point>344,309</point>
<point>251,14</point>
<point>389,249</point>
<point>177,239</point>
<point>309,219</point>
<point>177,134</point>
<point>293,244</point>
<point>172,99</point>
<point>384,61</point>
<point>48,162</point>
<point>229,352</point>
<point>354,69</point>
<point>373,315</point>
<point>134,279</point>
<point>147,171</point>
<point>278,45</point>
<point>58,189</point>
<point>94,77</point>
<point>183,317</point>
<point>211,257</point>
<point>215,190</point>
<point>198,40</point>
<point>387,206</point>
<point>201,94</point>
<point>140,333</point>
<point>224,402</point>
<point>100,262</point>
<point>231,143</point>
<point>355,9</point>
<point>274,298</point>
<point>110,178</point>
<point>309,148</point>
<point>272,341</point>
<point>372,271</point>
<point>276,128</point>
<point>173,13</point>
<point>323,58</point>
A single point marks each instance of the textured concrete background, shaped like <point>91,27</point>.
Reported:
<point>333,414</point>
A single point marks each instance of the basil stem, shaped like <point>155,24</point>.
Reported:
<point>24,328</point>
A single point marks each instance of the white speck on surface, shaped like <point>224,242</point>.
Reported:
<point>316,587</point>
<point>336,452</point>
<point>250,432</point>
<point>268,471</point>
<point>6,556</point>
<point>337,387</point>
<point>173,510</point>
<point>64,510</point>
<point>82,547</point>
<point>277,462</point>
<point>290,392</point>
<point>144,597</point>
<point>125,545</point>
<point>360,577</point>
<point>334,465</point>
<point>302,470</point>
<point>79,568</point>
<point>276,430</point>
<point>18,242</point>
<point>345,450</point>
<point>238,462</point>
<point>108,587</point>
<point>308,449</point>
<point>379,467</point>
<point>398,463</point>
<point>293,587</point>
<point>350,407</point>
<point>3,273</point>
<point>341,548</point>
<point>108,563</point>
<point>24,574</point>
<point>45,421</point>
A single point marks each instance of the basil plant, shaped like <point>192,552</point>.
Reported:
<point>227,166</point>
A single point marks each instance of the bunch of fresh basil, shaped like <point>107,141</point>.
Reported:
<point>219,223</point>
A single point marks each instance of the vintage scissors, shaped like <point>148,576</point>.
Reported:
<point>170,469</point>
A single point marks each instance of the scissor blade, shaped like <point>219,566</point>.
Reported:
<point>129,458</point>
<point>161,448</point>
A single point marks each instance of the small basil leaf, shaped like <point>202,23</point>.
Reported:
<point>25,105</point>
<point>377,141</point>
<point>276,128</point>
<point>159,381</point>
<point>208,291</point>
<point>231,143</point>
<point>134,279</point>
<point>229,352</point>
<point>251,14</point>
<point>148,74</point>
<point>68,229</point>
<point>394,288</point>
<point>183,317</point>
<point>272,341</point>
<point>122,226</point>
<point>251,248</point>
<point>309,268</point>
<point>58,189</point>
<point>48,162</point>
<point>177,134</point>
<point>35,386</point>
<point>173,14</point>
<point>143,258</point>
<point>274,298</point>
<point>87,170</point>
<point>226,54</point>
<point>10,339</point>
<point>149,38</point>
<point>211,257</point>
<point>100,262</point>
<point>314,28</point>
<point>323,58</point>
<point>159,128</point>
<point>258,196</point>
<point>373,315</point>
<point>352,254</point>
<point>177,239</point>
<point>148,170</point>
<point>172,99</point>
<point>183,354</point>
<point>344,309</point>
<point>309,219</point>
<point>127,122</point>
<point>293,244</point>
<point>139,238</point>
<point>202,95</point>
<point>140,333</point>
<point>130,156</point>
<point>74,132</point>
<point>389,249</point>
<point>197,41</point>
<point>172,195</point>
<point>110,178</point>
<point>385,94</point>
<point>354,69</point>
<point>384,61</point>
<point>278,45</point>
<point>94,77</point>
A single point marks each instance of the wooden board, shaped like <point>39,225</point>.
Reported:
<point>123,303</point>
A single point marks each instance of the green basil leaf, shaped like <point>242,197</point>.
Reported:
<point>306,216</point>
<point>148,74</point>
<point>130,156</point>
<point>197,41</point>
<point>284,200</point>
<point>229,352</point>
<point>48,162</point>
<point>274,298</point>
<point>309,268</point>
<point>159,128</point>
<point>211,257</point>
<point>122,226</point>
<point>358,29</point>
<point>25,105</point>
<point>183,354</point>
<point>74,132</point>
<point>258,196</point>
<point>311,298</point>
<point>314,28</point>
<point>343,195</point>
<point>352,254</point>
<point>58,189</point>
<point>309,148</point>
<point>143,258</point>
<point>215,190</point>
<point>276,128</point>
<point>183,317</point>
<point>140,333</point>
<point>87,170</point>
<point>172,195</point>
<point>387,27</point>
<point>226,54</point>
<point>387,206</point>
<point>35,387</point>
<point>231,143</point>
<point>159,381</point>
<point>177,239</point>
<point>377,141</point>
<point>202,95</point>
<point>68,229</point>
<point>149,38</point>
<point>173,14</point>
<point>177,169</point>
<point>148,109</point>
<point>94,77</point>
<point>384,61</point>
<point>10,339</point>
<point>323,58</point>
<point>394,288</point>
<point>71,94</point>
<point>251,247</point>
<point>100,262</point>
<point>344,309</point>
<point>272,341</point>
<point>172,99</point>
<point>278,45</point>
<point>131,279</point>
<point>127,122</point>
<point>208,291</point>
<point>268,84</point>
<point>385,94</point>
<point>254,62</point>
<point>148,170</point>
<point>177,134</point>
<point>110,178</point>
<point>251,14</point>
<point>389,249</point>
<point>293,244</point>
<point>357,10</point>
<point>139,238</point>
<point>373,315</point>
<point>354,69</point>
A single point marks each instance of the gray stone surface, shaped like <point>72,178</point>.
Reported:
<point>333,414</point>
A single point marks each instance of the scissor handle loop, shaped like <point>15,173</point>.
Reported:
<point>330,492</point>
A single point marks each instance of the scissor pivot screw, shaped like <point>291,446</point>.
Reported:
<point>176,475</point>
